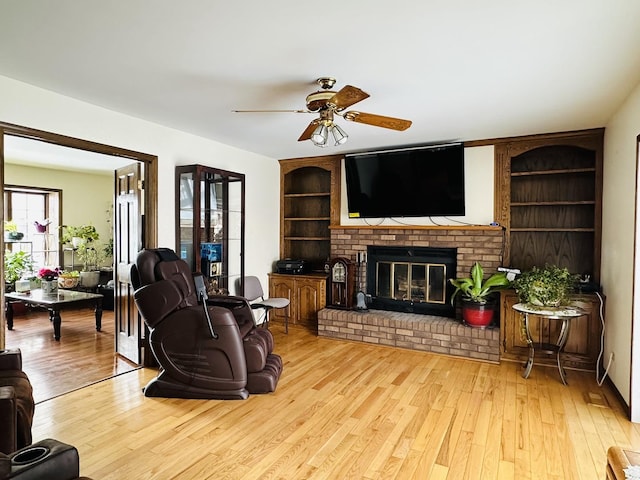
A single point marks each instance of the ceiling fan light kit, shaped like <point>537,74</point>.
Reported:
<point>339,135</point>
<point>327,103</point>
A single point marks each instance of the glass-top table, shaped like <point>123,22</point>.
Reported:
<point>562,314</point>
<point>54,302</point>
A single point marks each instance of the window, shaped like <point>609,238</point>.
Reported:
<point>27,206</point>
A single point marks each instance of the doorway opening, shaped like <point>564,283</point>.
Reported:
<point>81,154</point>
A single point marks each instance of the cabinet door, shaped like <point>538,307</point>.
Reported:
<point>281,287</point>
<point>310,298</point>
<point>210,225</point>
<point>513,344</point>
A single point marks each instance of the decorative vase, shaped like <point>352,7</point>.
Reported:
<point>90,279</point>
<point>68,281</point>
<point>478,315</point>
<point>76,242</point>
<point>49,287</point>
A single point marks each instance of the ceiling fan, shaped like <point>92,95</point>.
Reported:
<point>327,104</point>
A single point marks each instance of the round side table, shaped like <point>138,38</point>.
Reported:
<point>562,314</point>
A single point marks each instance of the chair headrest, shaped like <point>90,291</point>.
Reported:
<point>156,264</point>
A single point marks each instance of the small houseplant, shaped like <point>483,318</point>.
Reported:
<point>91,255</point>
<point>48,279</point>
<point>547,286</point>
<point>77,235</point>
<point>16,264</point>
<point>11,232</point>
<point>478,295</point>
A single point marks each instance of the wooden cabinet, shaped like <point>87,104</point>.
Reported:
<point>583,345</point>
<point>210,225</point>
<point>309,204</point>
<point>307,295</point>
<point>548,198</point>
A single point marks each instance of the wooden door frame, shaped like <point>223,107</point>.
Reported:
<point>150,203</point>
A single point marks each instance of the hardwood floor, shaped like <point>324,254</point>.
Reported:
<point>349,411</point>
<point>81,357</point>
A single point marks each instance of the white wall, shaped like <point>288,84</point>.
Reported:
<point>33,107</point>
<point>77,188</point>
<point>478,184</point>
<point>87,198</point>
<point>619,190</point>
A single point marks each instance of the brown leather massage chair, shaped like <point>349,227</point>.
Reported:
<point>207,347</point>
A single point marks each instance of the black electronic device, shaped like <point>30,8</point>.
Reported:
<point>291,267</point>
<point>413,182</point>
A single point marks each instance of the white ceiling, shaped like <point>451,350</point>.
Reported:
<point>459,69</point>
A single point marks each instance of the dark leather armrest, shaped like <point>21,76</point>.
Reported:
<point>8,420</point>
<point>48,459</point>
<point>11,359</point>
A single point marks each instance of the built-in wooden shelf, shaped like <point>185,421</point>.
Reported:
<point>563,171</point>
<point>552,204</point>
<point>299,195</point>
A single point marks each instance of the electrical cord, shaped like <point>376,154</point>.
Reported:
<point>606,371</point>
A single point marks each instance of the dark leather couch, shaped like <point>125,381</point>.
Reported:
<point>205,348</point>
<point>19,458</point>
<point>16,402</point>
<point>45,460</point>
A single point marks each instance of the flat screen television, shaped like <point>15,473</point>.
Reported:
<point>415,182</point>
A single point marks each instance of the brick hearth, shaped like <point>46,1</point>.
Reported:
<point>406,330</point>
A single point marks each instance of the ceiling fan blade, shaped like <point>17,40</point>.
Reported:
<point>377,120</point>
<point>306,135</point>
<point>347,96</point>
<point>271,111</point>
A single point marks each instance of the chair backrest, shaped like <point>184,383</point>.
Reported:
<point>253,289</point>
<point>157,264</point>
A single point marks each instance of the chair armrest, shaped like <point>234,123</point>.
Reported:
<point>11,359</point>
<point>5,465</point>
<point>8,420</point>
<point>48,459</point>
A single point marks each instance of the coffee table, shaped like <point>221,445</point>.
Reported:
<point>54,302</point>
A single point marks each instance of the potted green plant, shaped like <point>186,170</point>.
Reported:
<point>76,235</point>
<point>16,264</point>
<point>478,295</point>
<point>547,286</point>
<point>91,255</point>
<point>11,232</point>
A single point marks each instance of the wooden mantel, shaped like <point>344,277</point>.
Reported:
<point>418,227</point>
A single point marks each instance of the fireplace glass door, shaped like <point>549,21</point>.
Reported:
<point>415,282</point>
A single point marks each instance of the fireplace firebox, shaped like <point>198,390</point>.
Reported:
<point>411,279</point>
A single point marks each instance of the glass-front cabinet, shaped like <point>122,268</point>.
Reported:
<point>210,225</point>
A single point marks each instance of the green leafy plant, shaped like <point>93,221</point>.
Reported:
<point>475,288</point>
<point>87,233</point>
<point>545,286</point>
<point>91,255</point>
<point>10,226</point>
<point>16,264</point>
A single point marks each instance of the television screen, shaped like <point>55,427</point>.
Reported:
<point>416,182</point>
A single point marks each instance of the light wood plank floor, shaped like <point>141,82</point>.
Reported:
<point>81,357</point>
<point>349,411</point>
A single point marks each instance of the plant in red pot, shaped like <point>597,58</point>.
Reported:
<point>479,299</point>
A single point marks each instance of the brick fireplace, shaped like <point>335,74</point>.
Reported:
<point>409,330</point>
